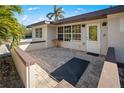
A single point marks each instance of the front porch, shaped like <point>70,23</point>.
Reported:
<point>51,59</point>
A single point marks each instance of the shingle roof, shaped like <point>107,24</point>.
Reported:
<point>87,16</point>
<point>92,15</point>
<point>38,23</point>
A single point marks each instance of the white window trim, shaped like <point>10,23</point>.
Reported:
<point>69,33</point>
<point>38,33</point>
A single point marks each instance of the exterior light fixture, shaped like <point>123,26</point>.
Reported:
<point>83,25</point>
<point>104,24</point>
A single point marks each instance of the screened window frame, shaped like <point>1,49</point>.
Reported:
<point>76,33</point>
<point>38,33</point>
<point>66,34</point>
<point>71,33</point>
<point>60,33</point>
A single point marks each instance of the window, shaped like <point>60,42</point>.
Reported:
<point>76,36</point>
<point>38,32</point>
<point>67,33</point>
<point>76,29</point>
<point>60,33</point>
<point>67,29</point>
<point>93,33</point>
<point>67,37</point>
<point>76,32</point>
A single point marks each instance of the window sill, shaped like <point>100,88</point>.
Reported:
<point>72,41</point>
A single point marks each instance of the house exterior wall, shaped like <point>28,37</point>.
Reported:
<point>82,44</point>
<point>104,39</point>
<point>116,35</point>
<point>35,46</point>
<point>44,35</point>
<point>75,44</point>
<point>51,34</point>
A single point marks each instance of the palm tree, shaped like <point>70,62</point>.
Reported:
<point>10,28</point>
<point>56,14</point>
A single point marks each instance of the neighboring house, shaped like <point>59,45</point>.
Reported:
<point>92,32</point>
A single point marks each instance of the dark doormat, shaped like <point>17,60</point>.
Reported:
<point>93,54</point>
<point>71,71</point>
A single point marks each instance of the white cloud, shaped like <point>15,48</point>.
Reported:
<point>80,10</point>
<point>41,18</point>
<point>62,9</point>
<point>33,8</point>
<point>24,17</point>
<point>37,20</point>
<point>76,11</point>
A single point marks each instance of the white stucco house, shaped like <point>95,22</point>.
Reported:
<point>91,32</point>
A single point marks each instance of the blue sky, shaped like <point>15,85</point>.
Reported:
<point>35,13</point>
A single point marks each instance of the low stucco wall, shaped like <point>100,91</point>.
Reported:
<point>29,46</point>
<point>109,77</point>
<point>31,73</point>
<point>21,68</point>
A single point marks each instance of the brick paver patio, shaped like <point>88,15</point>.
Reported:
<point>52,58</point>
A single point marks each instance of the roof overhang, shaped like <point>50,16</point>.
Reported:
<point>39,23</point>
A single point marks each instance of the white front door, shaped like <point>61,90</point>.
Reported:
<point>93,38</point>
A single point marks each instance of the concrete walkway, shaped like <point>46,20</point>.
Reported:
<point>52,58</point>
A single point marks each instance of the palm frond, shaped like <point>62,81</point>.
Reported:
<point>56,14</point>
<point>61,16</point>
<point>55,8</point>
<point>16,8</point>
<point>50,15</point>
<point>9,25</point>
